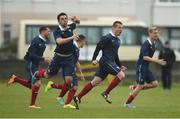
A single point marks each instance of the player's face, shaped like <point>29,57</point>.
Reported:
<point>63,20</point>
<point>154,35</point>
<point>47,33</point>
<point>117,29</point>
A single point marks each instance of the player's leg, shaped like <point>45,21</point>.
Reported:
<point>71,92</point>
<point>68,72</point>
<point>151,81</point>
<point>51,84</point>
<point>140,79</point>
<point>88,87</point>
<point>19,80</point>
<point>52,70</point>
<point>113,69</point>
<point>34,94</point>
<point>35,88</point>
<point>23,82</point>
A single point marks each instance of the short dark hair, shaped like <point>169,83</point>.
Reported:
<point>116,22</point>
<point>61,14</point>
<point>81,38</point>
<point>42,28</point>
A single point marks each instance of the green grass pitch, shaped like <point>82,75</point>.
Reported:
<point>157,103</point>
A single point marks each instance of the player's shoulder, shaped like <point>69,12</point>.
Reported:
<point>106,37</point>
<point>35,39</point>
<point>146,44</point>
<point>56,29</point>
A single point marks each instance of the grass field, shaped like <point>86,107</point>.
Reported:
<point>151,103</point>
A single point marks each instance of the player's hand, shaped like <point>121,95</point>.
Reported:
<point>123,68</point>
<point>75,37</point>
<point>47,60</point>
<point>81,76</point>
<point>94,62</point>
<point>162,62</point>
<point>75,20</point>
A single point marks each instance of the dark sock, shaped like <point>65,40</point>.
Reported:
<point>85,90</point>
<point>70,96</point>
<point>34,94</point>
<point>112,85</point>
<point>57,86</point>
<point>65,88</point>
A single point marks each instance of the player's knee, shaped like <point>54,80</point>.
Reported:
<point>121,75</point>
<point>75,88</point>
<point>155,84</point>
<point>95,83</point>
<point>68,79</point>
<point>46,75</point>
<point>38,83</point>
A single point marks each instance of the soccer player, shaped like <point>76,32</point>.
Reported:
<point>79,43</point>
<point>109,63</point>
<point>143,73</point>
<point>63,57</point>
<point>33,57</point>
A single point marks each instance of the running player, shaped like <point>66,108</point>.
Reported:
<point>63,57</point>
<point>79,43</point>
<point>143,73</point>
<point>109,63</point>
<point>33,58</point>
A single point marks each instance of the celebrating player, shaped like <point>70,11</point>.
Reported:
<point>109,63</point>
<point>63,57</point>
<point>33,57</point>
<point>79,43</point>
<point>143,72</point>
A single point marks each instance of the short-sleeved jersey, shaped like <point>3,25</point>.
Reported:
<point>109,46</point>
<point>66,48</point>
<point>146,50</point>
<point>35,50</point>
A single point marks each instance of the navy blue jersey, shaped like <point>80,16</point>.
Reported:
<point>109,46</point>
<point>75,54</point>
<point>146,50</point>
<point>66,48</point>
<point>35,50</point>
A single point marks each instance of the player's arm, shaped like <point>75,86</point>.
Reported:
<point>99,46</point>
<point>78,67</point>
<point>60,40</point>
<point>157,61</point>
<point>118,62</point>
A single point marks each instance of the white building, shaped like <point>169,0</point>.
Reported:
<point>162,13</point>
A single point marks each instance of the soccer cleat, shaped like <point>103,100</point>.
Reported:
<point>69,106</point>
<point>106,97</point>
<point>48,86</point>
<point>60,101</point>
<point>34,107</point>
<point>129,106</point>
<point>76,101</point>
<point>11,80</point>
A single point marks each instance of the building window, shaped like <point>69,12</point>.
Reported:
<point>7,33</point>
